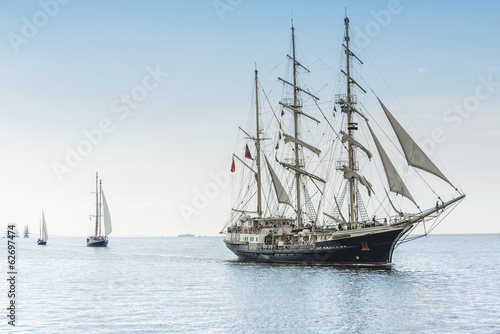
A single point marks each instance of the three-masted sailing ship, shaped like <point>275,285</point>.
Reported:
<point>102,219</point>
<point>44,236</point>
<point>309,200</point>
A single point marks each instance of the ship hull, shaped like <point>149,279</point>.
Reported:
<point>100,243</point>
<point>368,249</point>
<point>42,243</point>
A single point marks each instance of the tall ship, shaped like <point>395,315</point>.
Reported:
<point>26,231</point>
<point>102,226</point>
<point>325,186</point>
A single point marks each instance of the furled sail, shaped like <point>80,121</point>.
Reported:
<point>107,216</point>
<point>396,184</point>
<point>349,173</point>
<point>301,143</point>
<point>301,171</point>
<point>45,235</point>
<point>278,187</point>
<point>413,153</point>
<point>346,137</point>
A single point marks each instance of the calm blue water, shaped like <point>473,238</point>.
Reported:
<point>442,284</point>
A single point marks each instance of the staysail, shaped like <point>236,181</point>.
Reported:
<point>107,216</point>
<point>413,153</point>
<point>396,184</point>
<point>278,187</point>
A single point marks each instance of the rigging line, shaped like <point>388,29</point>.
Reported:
<point>319,59</point>
<point>272,109</point>
<point>437,222</point>
<point>326,119</point>
<point>266,75</point>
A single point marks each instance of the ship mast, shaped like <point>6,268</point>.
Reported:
<point>350,124</point>
<point>96,203</point>
<point>296,127</point>
<point>257,144</point>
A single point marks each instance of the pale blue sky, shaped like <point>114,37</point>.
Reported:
<point>65,79</point>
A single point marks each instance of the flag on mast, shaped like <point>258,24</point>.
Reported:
<point>233,166</point>
<point>247,153</point>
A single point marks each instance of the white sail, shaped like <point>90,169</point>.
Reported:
<point>346,137</point>
<point>413,153</point>
<point>107,216</point>
<point>278,187</point>
<point>396,184</point>
<point>44,233</point>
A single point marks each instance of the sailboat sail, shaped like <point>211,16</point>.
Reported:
<point>396,184</point>
<point>413,153</point>
<point>107,216</point>
<point>44,233</point>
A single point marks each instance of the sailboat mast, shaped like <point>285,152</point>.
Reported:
<point>257,144</point>
<point>96,203</point>
<point>349,122</point>
<point>296,127</point>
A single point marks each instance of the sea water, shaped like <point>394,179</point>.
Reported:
<point>438,284</point>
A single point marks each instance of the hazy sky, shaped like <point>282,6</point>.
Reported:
<point>150,94</point>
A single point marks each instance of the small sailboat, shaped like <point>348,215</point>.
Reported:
<point>26,231</point>
<point>102,219</point>
<point>42,240</point>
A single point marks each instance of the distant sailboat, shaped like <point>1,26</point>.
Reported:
<point>26,231</point>
<point>43,232</point>
<point>102,213</point>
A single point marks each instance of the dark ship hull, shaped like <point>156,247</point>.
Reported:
<point>373,248</point>
<point>97,243</point>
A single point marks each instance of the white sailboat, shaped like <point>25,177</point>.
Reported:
<point>44,236</point>
<point>102,219</point>
<point>313,198</point>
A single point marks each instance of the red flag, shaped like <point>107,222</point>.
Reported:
<point>247,153</point>
<point>233,167</point>
<point>280,135</point>
<point>334,111</point>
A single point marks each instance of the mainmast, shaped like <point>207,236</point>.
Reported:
<point>96,203</point>
<point>257,144</point>
<point>296,127</point>
<point>350,124</point>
